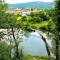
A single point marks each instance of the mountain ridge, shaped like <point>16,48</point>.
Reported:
<point>35,4</point>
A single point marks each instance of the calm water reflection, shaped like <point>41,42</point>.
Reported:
<point>34,45</point>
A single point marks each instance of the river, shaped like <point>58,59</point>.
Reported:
<point>33,45</point>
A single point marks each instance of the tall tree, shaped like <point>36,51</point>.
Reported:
<point>57,21</point>
<point>3,8</point>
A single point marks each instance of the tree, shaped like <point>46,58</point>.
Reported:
<point>3,8</point>
<point>56,32</point>
<point>57,22</point>
<point>4,51</point>
<point>11,24</point>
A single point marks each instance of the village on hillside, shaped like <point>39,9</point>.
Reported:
<point>23,12</point>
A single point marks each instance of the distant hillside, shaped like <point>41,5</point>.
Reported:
<point>36,4</point>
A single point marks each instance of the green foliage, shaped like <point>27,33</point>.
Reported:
<point>1,35</point>
<point>57,13</point>
<point>41,15</point>
<point>4,51</point>
<point>29,57</point>
<point>42,20</point>
<point>36,20</point>
<point>3,8</point>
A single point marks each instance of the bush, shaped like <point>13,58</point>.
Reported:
<point>4,51</point>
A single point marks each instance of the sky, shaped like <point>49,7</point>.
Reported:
<point>23,1</point>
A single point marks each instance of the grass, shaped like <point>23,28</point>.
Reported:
<point>35,58</point>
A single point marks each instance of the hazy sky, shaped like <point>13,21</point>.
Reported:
<point>23,1</point>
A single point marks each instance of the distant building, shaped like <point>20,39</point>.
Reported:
<point>25,12</point>
<point>22,12</point>
<point>17,11</point>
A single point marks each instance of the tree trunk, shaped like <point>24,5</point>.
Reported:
<point>16,45</point>
<point>47,47</point>
<point>46,44</point>
<point>57,47</point>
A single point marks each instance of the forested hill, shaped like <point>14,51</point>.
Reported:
<point>36,4</point>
